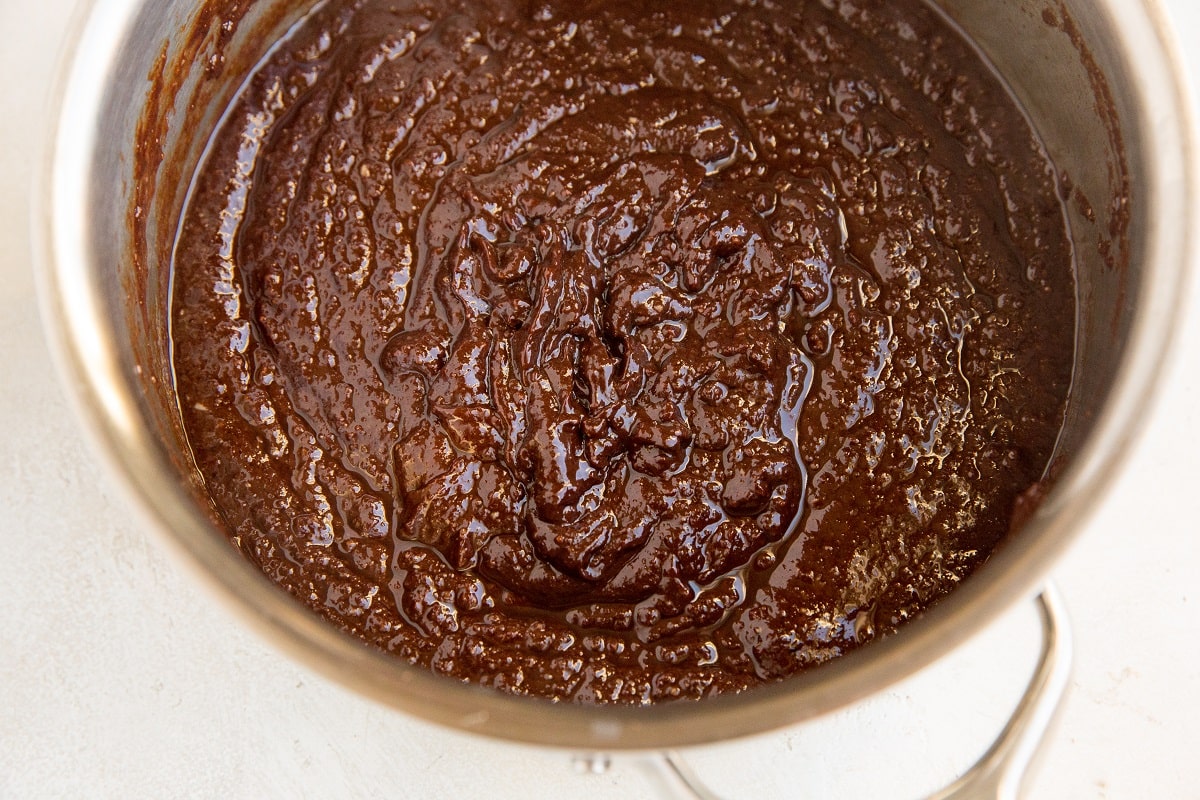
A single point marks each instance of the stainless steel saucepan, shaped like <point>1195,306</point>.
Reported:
<point>149,79</point>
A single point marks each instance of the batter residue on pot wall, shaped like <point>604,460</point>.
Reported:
<point>618,352</point>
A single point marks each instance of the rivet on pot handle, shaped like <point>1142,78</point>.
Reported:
<point>1000,772</point>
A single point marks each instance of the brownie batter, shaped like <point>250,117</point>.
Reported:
<point>616,352</point>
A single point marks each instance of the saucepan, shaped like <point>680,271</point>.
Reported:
<point>147,80</point>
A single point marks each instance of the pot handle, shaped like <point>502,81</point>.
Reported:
<point>1000,772</point>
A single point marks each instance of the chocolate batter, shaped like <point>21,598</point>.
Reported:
<point>618,352</point>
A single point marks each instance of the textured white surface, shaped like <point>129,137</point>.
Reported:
<point>118,678</point>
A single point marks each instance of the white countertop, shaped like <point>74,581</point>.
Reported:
<point>120,678</point>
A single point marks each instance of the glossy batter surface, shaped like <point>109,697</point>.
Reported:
<point>619,352</point>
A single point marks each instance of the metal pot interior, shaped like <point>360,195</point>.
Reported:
<point>151,79</point>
